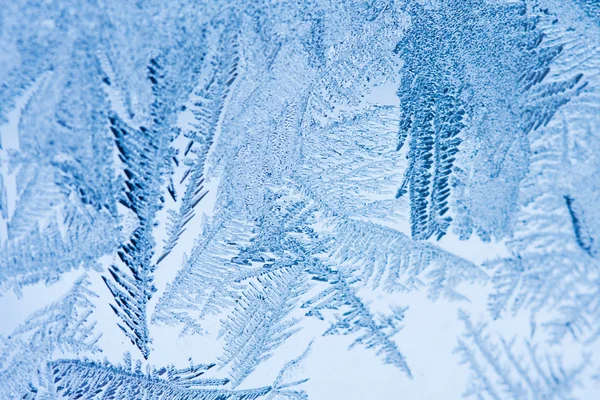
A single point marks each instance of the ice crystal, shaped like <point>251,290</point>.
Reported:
<point>325,170</point>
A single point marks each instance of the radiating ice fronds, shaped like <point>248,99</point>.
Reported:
<point>236,258</point>
<point>352,166</point>
<point>375,332</point>
<point>263,274</point>
<point>207,105</point>
<point>257,324</point>
<point>241,178</point>
<point>382,256</point>
<point>147,154</point>
<point>141,152</point>
<point>74,379</point>
<point>63,327</point>
<point>499,371</point>
<point>65,213</point>
<point>553,265</point>
<point>199,288</point>
<point>464,63</point>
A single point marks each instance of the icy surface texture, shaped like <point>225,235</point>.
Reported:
<point>314,199</point>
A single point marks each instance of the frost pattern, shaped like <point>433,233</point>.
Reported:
<point>321,168</point>
<point>74,379</point>
<point>116,383</point>
<point>64,327</point>
<point>511,374</point>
